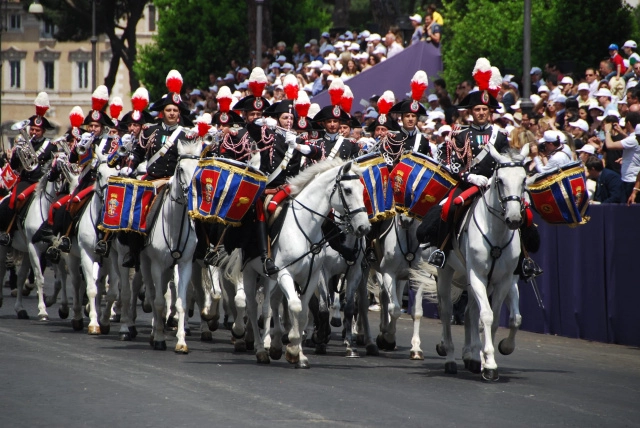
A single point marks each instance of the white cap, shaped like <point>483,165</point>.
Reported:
<point>325,67</point>
<point>416,18</point>
<point>581,124</point>
<point>338,45</point>
<point>587,148</point>
<point>566,80</point>
<point>603,92</point>
<point>560,99</point>
<point>507,78</point>
<point>509,117</point>
<point>442,130</point>
<point>379,50</point>
<point>354,47</point>
<point>630,44</point>
<point>543,88</point>
<point>595,106</point>
<point>535,98</point>
<point>287,66</point>
<point>275,65</point>
<point>331,56</point>
<point>552,137</point>
<point>373,37</point>
<point>281,58</point>
<point>610,113</point>
<point>315,64</point>
<point>313,110</point>
<point>435,115</point>
<point>364,34</point>
<point>432,97</point>
<point>637,130</point>
<point>584,86</point>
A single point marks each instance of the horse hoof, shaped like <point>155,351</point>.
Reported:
<point>360,340</point>
<point>1,302</point>
<point>240,346</point>
<point>416,356</point>
<point>372,350</point>
<point>321,349</point>
<point>490,375</point>
<point>191,313</point>
<point>172,324</point>
<point>146,308</point>
<point>260,322</point>
<point>133,332</point>
<point>226,322</point>
<point>263,358</point>
<point>441,350</point>
<point>206,336</point>
<point>182,349</point>
<point>93,330</point>
<point>250,346</point>
<point>23,315</point>
<point>275,353</point>
<point>187,332</point>
<point>44,317</point>
<point>386,346</point>
<point>505,347</point>
<point>26,291</point>
<point>292,359</point>
<point>450,367</point>
<point>160,345</point>
<point>151,340</point>
<point>344,333</point>
<point>115,318</point>
<point>125,337</point>
<point>63,313</point>
<point>105,329</point>
<point>352,354</point>
<point>77,325</point>
<point>213,324</point>
<point>141,296</point>
<point>285,339</point>
<point>303,365</point>
<point>336,322</point>
<point>475,366</point>
<point>379,341</point>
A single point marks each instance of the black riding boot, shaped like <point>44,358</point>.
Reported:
<point>267,263</point>
<point>438,257</point>
<point>135,241</point>
<point>44,234</point>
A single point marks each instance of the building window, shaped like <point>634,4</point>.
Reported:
<point>48,30</point>
<point>152,18</point>
<point>15,22</point>
<point>83,75</point>
<point>15,74</point>
<point>48,75</point>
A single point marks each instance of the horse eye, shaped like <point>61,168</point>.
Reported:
<point>347,191</point>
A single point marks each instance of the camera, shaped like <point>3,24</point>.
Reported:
<point>542,147</point>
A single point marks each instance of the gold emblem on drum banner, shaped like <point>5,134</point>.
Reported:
<point>578,194</point>
<point>208,190</point>
<point>243,201</point>
<point>428,198</point>
<point>546,208</point>
<point>397,182</point>
<point>112,205</point>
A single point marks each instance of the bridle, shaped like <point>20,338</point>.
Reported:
<point>497,183</point>
<point>348,213</point>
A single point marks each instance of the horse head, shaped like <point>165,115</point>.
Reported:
<point>508,182</point>
<point>347,199</point>
<point>188,156</point>
<point>405,221</point>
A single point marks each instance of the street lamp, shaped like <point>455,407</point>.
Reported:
<point>36,8</point>
<point>526,104</point>
<point>258,32</point>
<point>94,40</point>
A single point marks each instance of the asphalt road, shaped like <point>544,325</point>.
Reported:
<point>53,376</point>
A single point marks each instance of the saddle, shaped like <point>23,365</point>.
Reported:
<point>156,203</point>
<point>19,201</point>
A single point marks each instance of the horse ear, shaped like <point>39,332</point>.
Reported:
<point>524,151</point>
<point>497,156</point>
<point>347,167</point>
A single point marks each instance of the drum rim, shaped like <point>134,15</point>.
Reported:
<point>546,181</point>
<point>234,166</point>
<point>114,179</point>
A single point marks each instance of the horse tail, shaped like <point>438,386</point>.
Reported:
<point>426,276</point>
<point>233,269</point>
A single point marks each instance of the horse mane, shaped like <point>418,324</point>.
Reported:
<point>299,182</point>
<point>514,154</point>
<point>44,180</point>
<point>190,147</point>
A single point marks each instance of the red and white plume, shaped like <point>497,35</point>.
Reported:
<point>99,98</point>
<point>302,104</point>
<point>419,84</point>
<point>385,102</point>
<point>174,81</point>
<point>140,99</point>
<point>115,108</point>
<point>257,81</point>
<point>224,99</point>
<point>76,117</point>
<point>347,99</point>
<point>336,89</point>
<point>482,73</point>
<point>203,123</point>
<point>42,104</point>
<point>291,87</point>
<point>495,82</point>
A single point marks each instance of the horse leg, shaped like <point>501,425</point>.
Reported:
<point>73,264</point>
<point>479,288</point>
<point>334,284</point>
<point>416,352</point>
<point>60,284</point>
<point>445,309</point>
<point>182,278</point>
<point>349,314</point>
<point>22,273</point>
<point>388,340</point>
<point>241,304</point>
<point>275,347</point>
<point>90,270</point>
<point>384,318</point>
<point>249,286</point>
<point>34,258</point>
<point>508,345</point>
<point>299,313</point>
<point>111,298</point>
<point>128,298</point>
<point>203,300</point>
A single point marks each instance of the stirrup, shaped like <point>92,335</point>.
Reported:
<point>5,239</point>
<point>212,258</point>
<point>269,267</point>
<point>65,244</point>
<point>130,261</point>
<point>101,248</point>
<point>53,255</point>
<point>530,268</point>
<point>370,254</point>
<point>437,259</point>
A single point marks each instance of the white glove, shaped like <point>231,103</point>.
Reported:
<point>290,139</point>
<point>125,139</point>
<point>478,180</point>
<point>125,172</point>
<point>270,122</point>
<point>259,121</point>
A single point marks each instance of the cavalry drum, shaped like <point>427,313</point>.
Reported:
<point>560,196</point>
<point>378,196</point>
<point>223,190</point>
<point>126,204</point>
<point>419,183</point>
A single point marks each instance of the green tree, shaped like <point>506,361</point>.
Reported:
<point>74,23</point>
<point>291,18</point>
<point>195,37</point>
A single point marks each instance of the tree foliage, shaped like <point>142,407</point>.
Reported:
<point>195,37</point>
<point>571,33</point>
<point>291,18</point>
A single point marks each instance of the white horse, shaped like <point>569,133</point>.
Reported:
<point>172,242</point>
<point>315,191</point>
<point>400,252</point>
<point>487,253</point>
<point>37,213</point>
